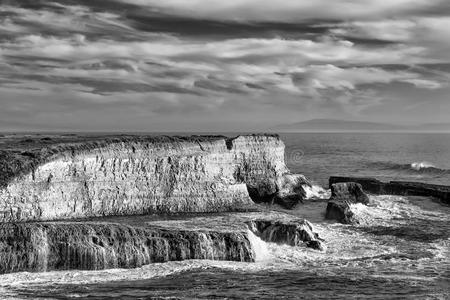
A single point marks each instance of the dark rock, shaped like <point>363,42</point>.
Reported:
<point>400,188</point>
<point>291,190</point>
<point>342,195</point>
<point>369,185</point>
<point>340,211</point>
<point>317,245</point>
<point>293,233</point>
<point>288,201</point>
<point>349,191</point>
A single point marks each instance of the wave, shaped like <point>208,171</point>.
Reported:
<point>423,167</point>
<point>316,192</point>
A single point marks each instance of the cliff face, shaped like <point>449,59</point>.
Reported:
<point>95,246</point>
<point>139,175</point>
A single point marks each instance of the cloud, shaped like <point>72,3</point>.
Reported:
<point>320,77</point>
<point>184,61</point>
<point>289,10</point>
<point>188,66</point>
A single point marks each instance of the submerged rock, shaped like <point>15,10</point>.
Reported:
<point>95,246</point>
<point>342,196</point>
<point>293,233</point>
<point>316,245</point>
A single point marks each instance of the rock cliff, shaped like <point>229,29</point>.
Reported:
<point>51,246</point>
<point>134,241</point>
<point>128,175</point>
<point>65,203</point>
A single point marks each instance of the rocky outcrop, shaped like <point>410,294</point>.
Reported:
<point>66,183</point>
<point>293,232</point>
<point>140,175</point>
<point>93,246</point>
<point>291,190</point>
<point>349,191</point>
<point>341,212</point>
<point>400,188</point>
<point>342,196</point>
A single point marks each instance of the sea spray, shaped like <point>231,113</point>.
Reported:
<point>422,165</point>
<point>316,192</point>
<point>260,247</point>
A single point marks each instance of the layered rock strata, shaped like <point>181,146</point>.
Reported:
<point>129,242</point>
<point>399,188</point>
<point>51,246</point>
<point>48,188</point>
<point>141,175</point>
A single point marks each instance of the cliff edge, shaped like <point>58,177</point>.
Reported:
<point>127,175</point>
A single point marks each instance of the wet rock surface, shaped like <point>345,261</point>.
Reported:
<point>349,191</point>
<point>342,196</point>
<point>293,233</point>
<point>399,188</point>
<point>95,246</point>
<point>341,212</point>
<point>134,241</point>
<point>291,190</point>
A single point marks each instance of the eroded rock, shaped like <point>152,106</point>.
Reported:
<point>400,188</point>
<point>293,233</point>
<point>138,175</point>
<point>94,246</point>
<point>349,191</point>
<point>342,196</point>
<point>341,212</point>
<point>291,190</point>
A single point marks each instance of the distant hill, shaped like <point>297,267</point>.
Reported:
<point>434,127</point>
<point>330,125</point>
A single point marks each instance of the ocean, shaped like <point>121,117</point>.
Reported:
<point>401,249</point>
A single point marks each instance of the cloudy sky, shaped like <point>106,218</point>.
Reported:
<point>215,65</point>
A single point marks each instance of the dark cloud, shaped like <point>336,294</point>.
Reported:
<point>190,64</point>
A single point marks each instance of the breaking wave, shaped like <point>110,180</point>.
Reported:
<point>415,167</point>
<point>316,192</point>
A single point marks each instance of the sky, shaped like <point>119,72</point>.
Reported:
<point>215,65</point>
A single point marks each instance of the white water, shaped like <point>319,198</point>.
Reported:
<point>351,250</point>
<point>422,165</point>
<point>259,246</point>
<point>316,192</point>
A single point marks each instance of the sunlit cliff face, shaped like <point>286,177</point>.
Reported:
<point>220,65</point>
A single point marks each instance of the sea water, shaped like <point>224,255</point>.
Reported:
<point>401,249</point>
